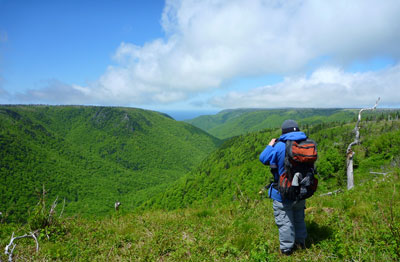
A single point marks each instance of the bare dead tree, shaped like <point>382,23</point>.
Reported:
<point>116,205</point>
<point>50,219</point>
<point>350,153</point>
<point>11,246</point>
<point>52,209</point>
<point>62,210</point>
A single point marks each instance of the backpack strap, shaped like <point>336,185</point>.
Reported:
<point>287,163</point>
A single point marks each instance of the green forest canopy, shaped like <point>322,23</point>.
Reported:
<point>92,156</point>
<point>229,123</point>
<point>234,169</point>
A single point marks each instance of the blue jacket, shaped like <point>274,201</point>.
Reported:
<point>274,156</point>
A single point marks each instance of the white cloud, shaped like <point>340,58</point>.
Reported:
<point>326,87</point>
<point>56,92</point>
<point>212,41</point>
<point>209,42</point>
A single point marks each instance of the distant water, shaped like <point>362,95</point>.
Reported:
<point>186,115</point>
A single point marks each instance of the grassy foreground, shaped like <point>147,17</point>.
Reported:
<point>358,225</point>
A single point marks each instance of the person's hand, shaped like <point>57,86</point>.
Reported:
<point>272,142</point>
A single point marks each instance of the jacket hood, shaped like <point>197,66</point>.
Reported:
<point>292,136</point>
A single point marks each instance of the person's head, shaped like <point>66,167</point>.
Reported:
<point>289,126</point>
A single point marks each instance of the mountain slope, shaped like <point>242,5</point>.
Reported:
<point>228,123</point>
<point>228,221</point>
<point>92,156</point>
<point>357,225</point>
<point>234,171</point>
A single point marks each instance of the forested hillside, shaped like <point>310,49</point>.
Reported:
<point>225,219</point>
<point>234,169</point>
<point>92,156</point>
<point>229,123</point>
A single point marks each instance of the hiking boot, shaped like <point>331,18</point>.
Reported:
<point>286,252</point>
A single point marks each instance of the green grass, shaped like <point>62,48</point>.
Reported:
<point>358,225</point>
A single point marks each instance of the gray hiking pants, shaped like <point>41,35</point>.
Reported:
<point>289,217</point>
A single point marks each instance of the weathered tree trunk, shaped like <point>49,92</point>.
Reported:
<point>350,153</point>
<point>350,177</point>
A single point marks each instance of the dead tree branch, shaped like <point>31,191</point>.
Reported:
<point>11,246</point>
<point>378,173</point>
<point>62,210</point>
<point>331,193</point>
<point>52,209</point>
<point>350,153</point>
<point>50,220</point>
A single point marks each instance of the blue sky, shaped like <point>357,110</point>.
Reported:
<point>71,41</point>
<point>200,55</point>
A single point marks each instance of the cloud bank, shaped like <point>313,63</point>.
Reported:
<point>210,42</point>
<point>326,87</point>
<point>55,92</point>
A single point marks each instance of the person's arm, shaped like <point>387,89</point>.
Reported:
<point>269,153</point>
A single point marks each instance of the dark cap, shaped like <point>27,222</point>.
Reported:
<point>289,126</point>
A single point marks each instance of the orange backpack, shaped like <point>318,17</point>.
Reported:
<point>298,182</point>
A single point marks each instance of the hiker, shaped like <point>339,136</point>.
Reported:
<point>289,214</point>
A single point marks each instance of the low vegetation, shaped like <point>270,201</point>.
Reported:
<point>359,225</point>
<point>214,212</point>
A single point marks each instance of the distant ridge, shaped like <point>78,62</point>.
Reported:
<point>232,122</point>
